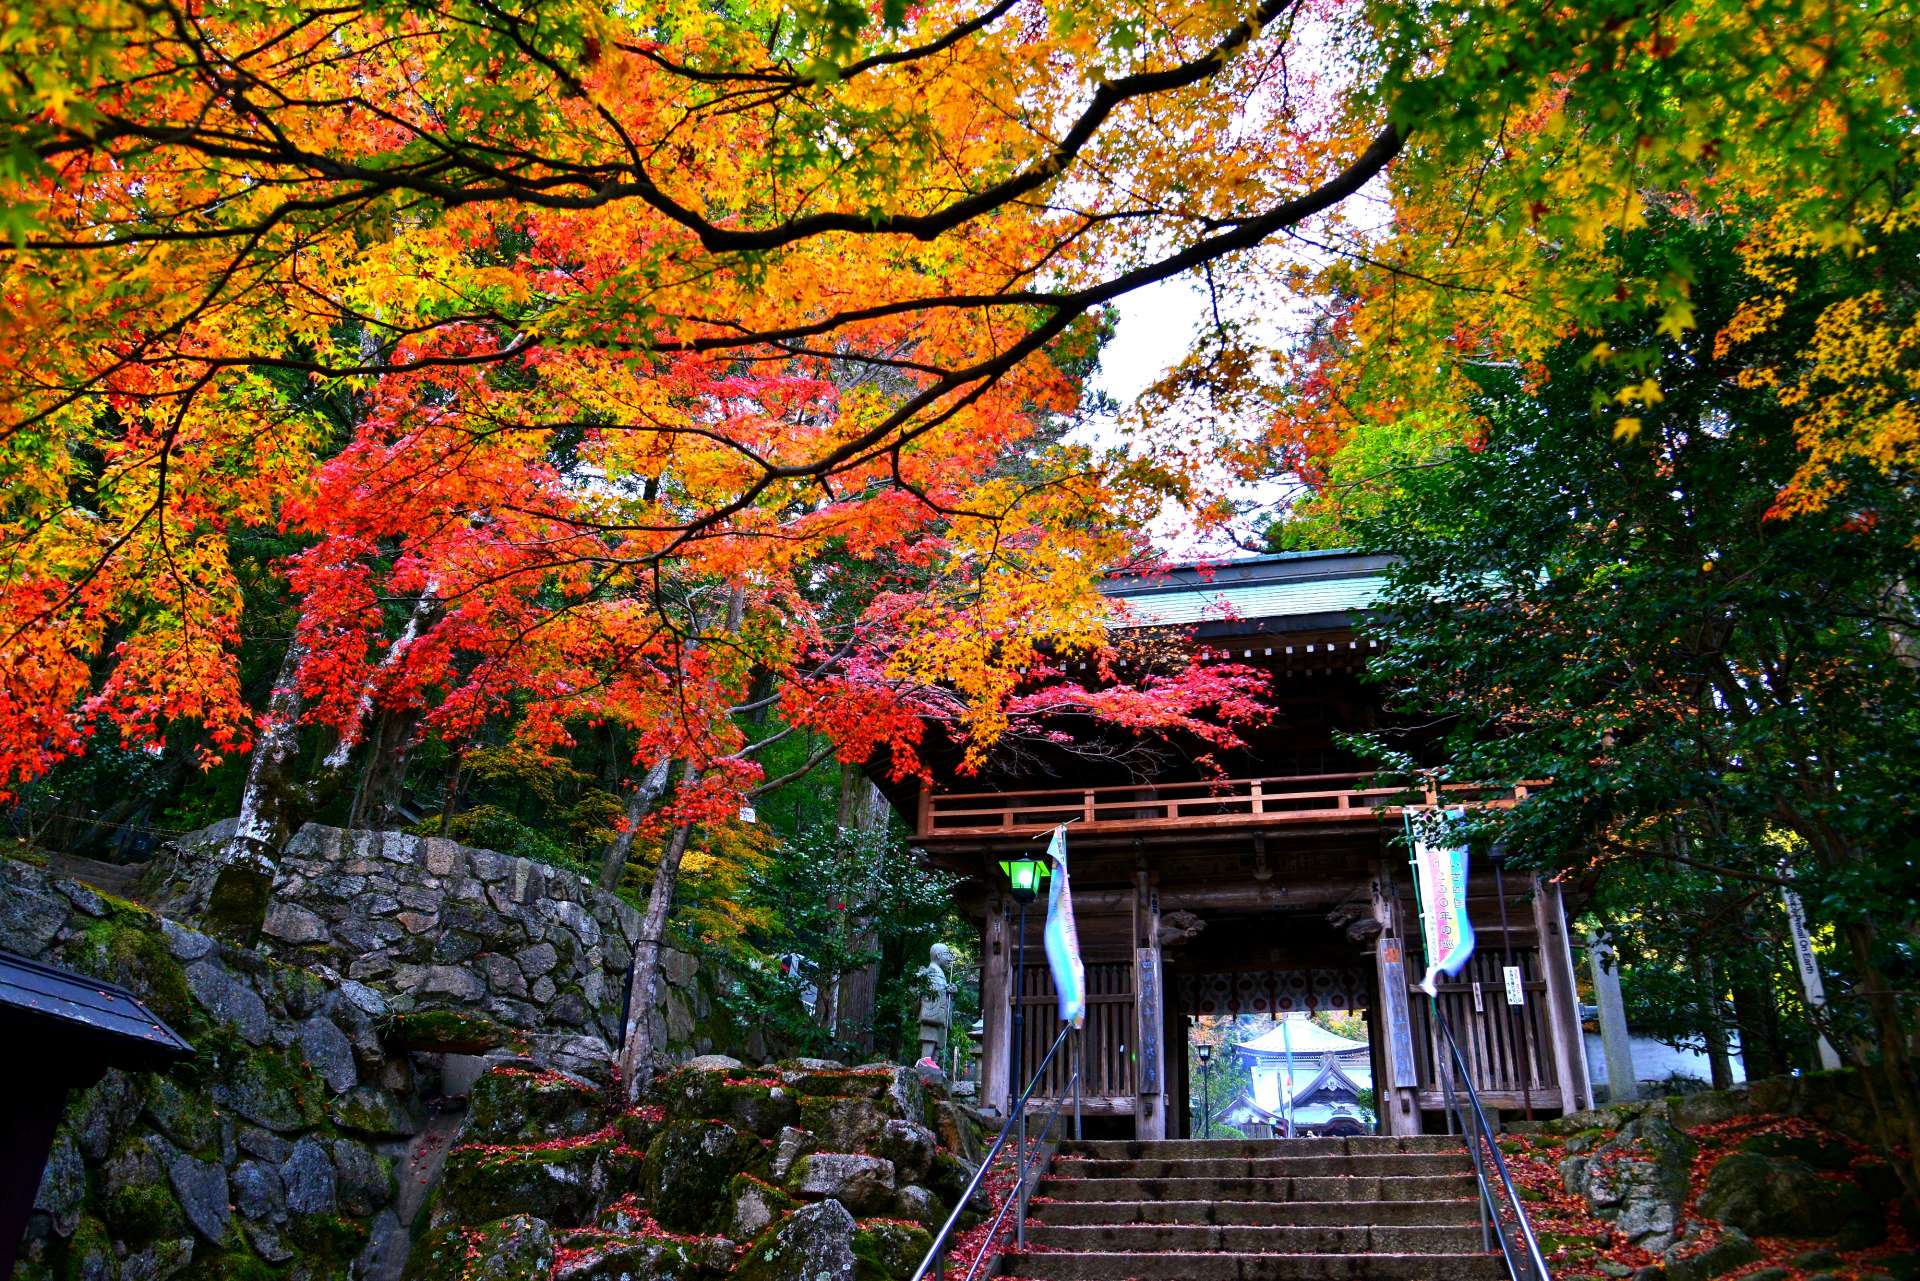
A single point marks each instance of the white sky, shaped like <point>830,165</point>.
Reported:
<point>1157,325</point>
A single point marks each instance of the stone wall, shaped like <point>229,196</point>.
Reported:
<point>539,953</point>
<point>290,1138</point>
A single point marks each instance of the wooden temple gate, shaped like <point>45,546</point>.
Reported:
<point>1289,864</point>
<point>1524,1056</point>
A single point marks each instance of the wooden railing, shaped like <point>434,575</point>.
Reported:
<point>1234,802</point>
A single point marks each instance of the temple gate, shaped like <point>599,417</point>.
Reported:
<point>1277,887</point>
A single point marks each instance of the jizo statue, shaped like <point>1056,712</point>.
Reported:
<point>936,1008</point>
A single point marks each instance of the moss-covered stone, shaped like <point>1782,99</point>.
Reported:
<point>843,1124</point>
<point>369,1110</point>
<point>888,1249</point>
<point>592,1255</point>
<point>947,1178</point>
<point>755,1204</point>
<point>185,1116</point>
<point>89,1254</point>
<point>1733,1250</point>
<point>687,1170</point>
<point>761,1104</point>
<point>814,1243</point>
<point>516,1248</point>
<point>228,1265</point>
<point>326,1238</point>
<point>896,1089</point>
<point>524,1104</point>
<point>125,946</point>
<point>1778,1196</point>
<point>1820,1153</point>
<point>638,1126</point>
<point>270,1088</point>
<point>441,1031</point>
<point>136,1200</point>
<point>559,1183</point>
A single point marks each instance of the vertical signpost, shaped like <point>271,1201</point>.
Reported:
<point>1809,966</point>
<point>1393,983</point>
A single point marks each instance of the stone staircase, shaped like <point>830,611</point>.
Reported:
<point>1257,1210</point>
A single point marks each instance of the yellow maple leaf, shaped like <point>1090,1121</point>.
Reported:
<point>1627,429</point>
<point>1676,320</point>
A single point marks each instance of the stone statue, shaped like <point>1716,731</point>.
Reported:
<point>936,1008</point>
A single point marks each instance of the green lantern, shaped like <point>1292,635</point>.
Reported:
<point>1024,876</point>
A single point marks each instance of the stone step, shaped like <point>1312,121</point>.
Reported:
<point>1264,1167</point>
<point>1160,1238</point>
<point>1465,1211</point>
<point>1366,1187</point>
<point>1052,1266</point>
<point>1180,1149</point>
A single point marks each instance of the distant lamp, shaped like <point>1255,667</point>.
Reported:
<point>1205,1054</point>
<point>1024,876</point>
<point>1023,880</point>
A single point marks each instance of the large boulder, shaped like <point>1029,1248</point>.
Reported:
<point>843,1124</point>
<point>520,1103</point>
<point>864,1184</point>
<point>1638,1179</point>
<point>1784,1196</point>
<point>814,1243</point>
<point>687,1170</point>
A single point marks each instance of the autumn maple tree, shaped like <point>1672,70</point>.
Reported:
<point>569,345</point>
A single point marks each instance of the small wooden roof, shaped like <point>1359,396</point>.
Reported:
<point>1283,592</point>
<point>44,1008</point>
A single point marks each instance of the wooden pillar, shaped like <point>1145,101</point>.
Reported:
<point>996,1010</point>
<point>1563,1009</point>
<point>1395,1091</point>
<point>1623,1082</point>
<point>1150,1098</point>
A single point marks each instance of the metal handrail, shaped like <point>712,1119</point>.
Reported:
<point>935,1260</point>
<point>1523,1258</point>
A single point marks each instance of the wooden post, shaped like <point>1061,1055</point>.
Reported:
<point>996,1014</point>
<point>1150,1102</point>
<point>1623,1082</point>
<point>1563,1011</point>
<point>1395,1091</point>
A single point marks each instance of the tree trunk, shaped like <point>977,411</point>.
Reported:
<point>1757,1018</point>
<point>863,814</point>
<point>639,1053</point>
<point>383,776</point>
<point>232,893</point>
<point>613,863</point>
<point>388,763</point>
<point>450,798</point>
<point>1706,977</point>
<point>1890,1081</point>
